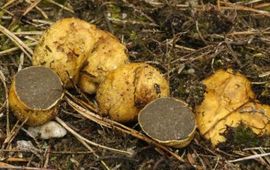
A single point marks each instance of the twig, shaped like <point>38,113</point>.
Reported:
<point>23,168</point>
<point>266,158</point>
<point>28,51</point>
<point>215,167</point>
<point>6,11</point>
<point>45,22</point>
<point>47,156</point>
<point>200,159</point>
<point>8,51</point>
<point>250,157</point>
<point>13,133</point>
<point>249,32</point>
<point>115,125</point>
<point>257,148</point>
<point>132,22</point>
<point>264,5</point>
<point>90,142</point>
<point>233,6</point>
<point>86,145</point>
<point>218,5</point>
<point>6,103</point>
<point>139,11</point>
<point>26,33</point>
<point>94,153</point>
<point>233,53</point>
<point>42,151</point>
<point>21,62</point>
<point>260,160</point>
<point>180,47</point>
<point>265,74</point>
<point>42,12</point>
<point>32,6</point>
<point>6,5</point>
<point>61,6</point>
<point>89,105</point>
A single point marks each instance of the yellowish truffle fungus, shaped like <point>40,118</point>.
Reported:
<point>127,89</point>
<point>64,47</point>
<point>169,121</point>
<point>107,55</point>
<point>35,94</point>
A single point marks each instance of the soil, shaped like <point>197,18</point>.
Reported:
<point>186,40</point>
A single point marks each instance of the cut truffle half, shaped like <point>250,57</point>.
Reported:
<point>169,121</point>
<point>35,94</point>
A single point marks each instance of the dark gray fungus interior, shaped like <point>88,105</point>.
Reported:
<point>167,119</point>
<point>38,87</point>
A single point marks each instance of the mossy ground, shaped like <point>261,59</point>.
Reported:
<point>186,41</point>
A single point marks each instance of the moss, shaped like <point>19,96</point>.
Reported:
<point>133,36</point>
<point>243,136</point>
<point>115,11</point>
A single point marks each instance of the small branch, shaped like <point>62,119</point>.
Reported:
<point>6,103</point>
<point>132,22</point>
<point>74,133</point>
<point>32,6</point>
<point>28,51</point>
<point>250,157</point>
<point>61,6</point>
<point>115,125</point>
<point>84,143</point>
<point>8,51</point>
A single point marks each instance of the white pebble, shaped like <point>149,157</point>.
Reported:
<point>48,130</point>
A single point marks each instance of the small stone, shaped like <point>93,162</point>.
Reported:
<point>191,71</point>
<point>25,145</point>
<point>48,130</point>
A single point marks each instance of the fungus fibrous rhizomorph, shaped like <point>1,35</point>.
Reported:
<point>169,121</point>
<point>35,94</point>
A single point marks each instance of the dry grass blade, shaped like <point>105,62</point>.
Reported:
<point>26,33</point>
<point>16,128</point>
<point>244,8</point>
<point>6,104</point>
<point>8,3</point>
<point>8,51</point>
<point>89,105</point>
<point>91,142</point>
<point>257,148</point>
<point>22,167</point>
<point>83,142</point>
<point>115,125</point>
<point>250,157</point>
<point>28,51</point>
<point>61,6</point>
<point>33,5</point>
<point>132,22</point>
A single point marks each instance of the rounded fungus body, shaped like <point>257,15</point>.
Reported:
<point>168,121</point>
<point>64,48</point>
<point>109,53</point>
<point>229,102</point>
<point>127,89</point>
<point>35,94</point>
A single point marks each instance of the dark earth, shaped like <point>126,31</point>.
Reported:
<point>185,40</point>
